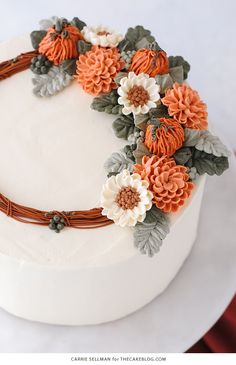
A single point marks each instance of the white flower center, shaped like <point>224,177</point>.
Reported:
<point>137,95</point>
<point>127,198</point>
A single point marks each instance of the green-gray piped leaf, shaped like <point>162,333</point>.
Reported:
<point>177,74</point>
<point>211,144</point>
<point>83,46</point>
<point>69,66</point>
<point>141,151</point>
<point>161,111</point>
<point>191,137</point>
<point>120,76</point>
<point>209,164</point>
<point>123,126</point>
<point>134,36</point>
<point>205,141</point>
<point>149,234</point>
<point>36,37</point>
<point>78,23</point>
<point>183,155</point>
<point>140,121</point>
<point>47,23</point>
<point>107,103</point>
<point>164,81</point>
<point>51,83</point>
<point>179,61</point>
<point>117,162</point>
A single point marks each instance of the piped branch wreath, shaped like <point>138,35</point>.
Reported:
<point>162,118</point>
<point>54,219</point>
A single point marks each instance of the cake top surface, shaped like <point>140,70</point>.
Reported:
<point>54,148</point>
<point>47,161</point>
<point>36,171</point>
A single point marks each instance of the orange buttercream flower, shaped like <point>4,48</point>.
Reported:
<point>185,106</point>
<point>97,68</point>
<point>149,62</point>
<point>168,182</point>
<point>165,138</point>
<point>59,46</point>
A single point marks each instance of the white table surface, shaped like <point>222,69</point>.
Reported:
<point>204,33</point>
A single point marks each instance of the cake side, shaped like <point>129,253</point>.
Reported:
<point>96,294</point>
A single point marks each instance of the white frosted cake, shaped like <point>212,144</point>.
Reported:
<point>52,156</point>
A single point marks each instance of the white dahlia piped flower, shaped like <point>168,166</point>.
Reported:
<point>125,198</point>
<point>138,93</point>
<point>101,36</point>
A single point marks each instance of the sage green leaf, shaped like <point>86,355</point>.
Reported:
<point>107,103</point>
<point>205,141</point>
<point>209,164</point>
<point>211,144</point>
<point>177,74</point>
<point>128,151</point>
<point>83,47</point>
<point>180,61</point>
<point>47,23</point>
<point>140,121</point>
<point>126,45</point>
<point>78,23</point>
<point>123,126</point>
<point>145,43</point>
<point>118,162</point>
<point>120,76</point>
<point>36,36</point>
<point>134,36</point>
<point>69,66</point>
<point>182,155</point>
<point>191,137</point>
<point>161,111</point>
<point>141,150</point>
<point>51,83</point>
<point>149,234</point>
<point>165,82</point>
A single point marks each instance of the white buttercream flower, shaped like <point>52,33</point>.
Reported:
<point>138,93</point>
<point>125,198</point>
<point>101,36</point>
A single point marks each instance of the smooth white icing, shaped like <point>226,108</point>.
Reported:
<point>52,153</point>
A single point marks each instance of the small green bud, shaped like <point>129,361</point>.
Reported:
<point>52,226</point>
<point>44,69</point>
<point>56,218</point>
<point>60,226</point>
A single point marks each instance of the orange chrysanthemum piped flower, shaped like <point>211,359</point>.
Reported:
<point>60,46</point>
<point>149,62</point>
<point>97,68</point>
<point>166,138</point>
<point>185,106</point>
<point>168,182</point>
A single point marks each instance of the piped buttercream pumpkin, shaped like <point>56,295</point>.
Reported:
<point>59,46</point>
<point>149,62</point>
<point>165,138</point>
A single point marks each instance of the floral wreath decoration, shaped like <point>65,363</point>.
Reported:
<point>157,112</point>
